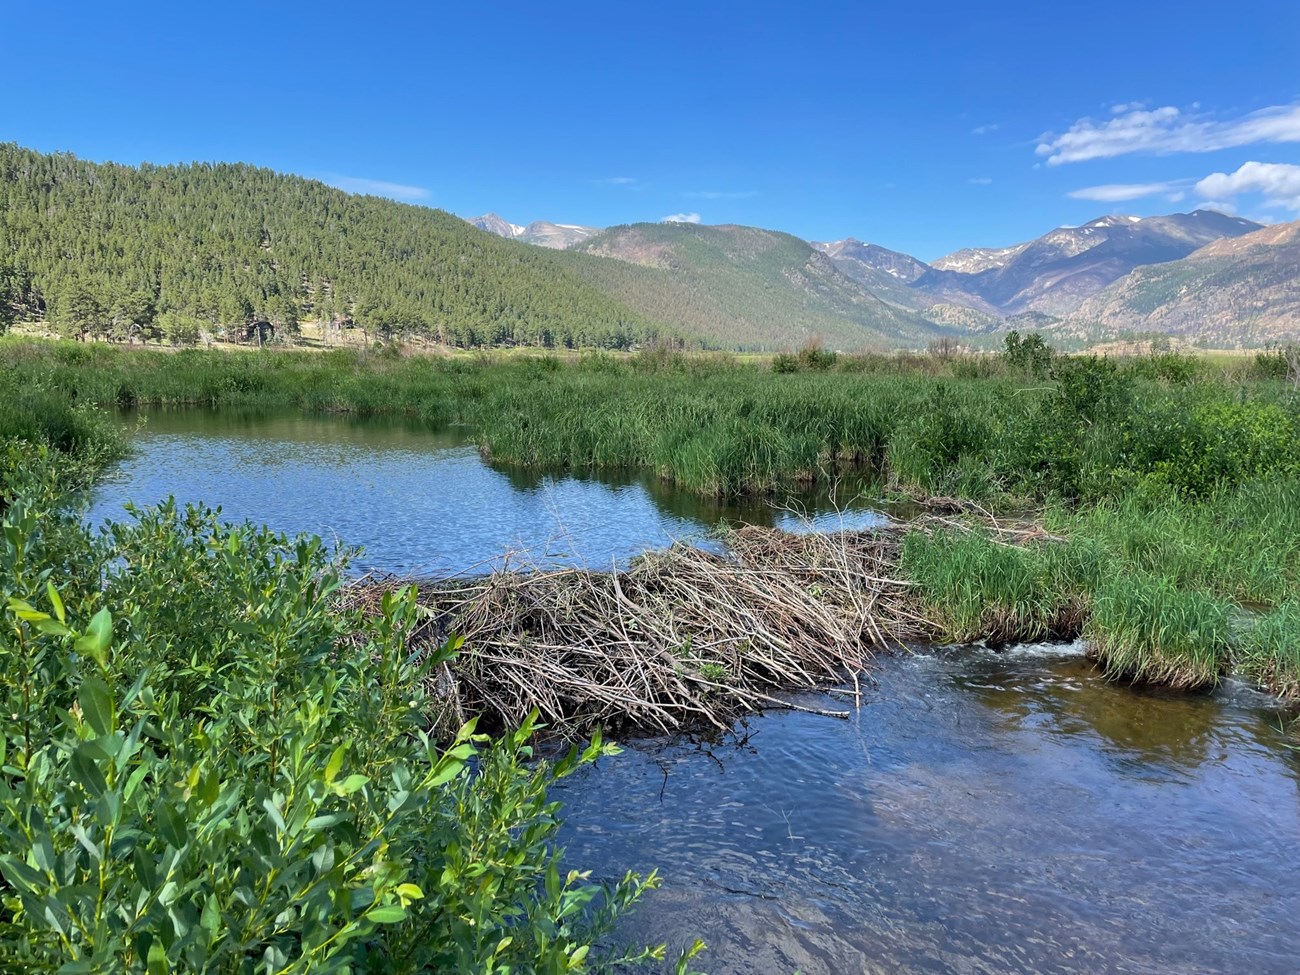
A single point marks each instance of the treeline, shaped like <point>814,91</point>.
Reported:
<point>113,251</point>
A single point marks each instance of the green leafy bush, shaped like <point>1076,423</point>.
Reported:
<point>206,766</point>
<point>1028,354</point>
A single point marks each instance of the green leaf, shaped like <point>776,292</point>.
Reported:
<point>20,874</point>
<point>171,824</point>
<point>388,914</point>
<point>99,634</point>
<point>335,763</point>
<point>55,601</point>
<point>158,959</point>
<point>409,892</point>
<point>210,920</point>
<point>350,785</point>
<point>318,823</point>
<point>96,702</point>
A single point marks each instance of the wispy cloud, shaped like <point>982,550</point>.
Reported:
<point>1278,183</point>
<point>979,181</point>
<point>617,181</point>
<point>1167,130</point>
<point>1223,206</point>
<point>984,129</point>
<point>1118,192</point>
<point>378,187</point>
<point>680,218</point>
<point>721,194</point>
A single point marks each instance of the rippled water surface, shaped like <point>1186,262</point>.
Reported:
<point>418,500</point>
<point>990,814</point>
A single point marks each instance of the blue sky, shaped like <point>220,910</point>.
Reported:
<point>922,127</point>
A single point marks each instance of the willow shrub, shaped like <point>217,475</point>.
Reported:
<point>204,767</point>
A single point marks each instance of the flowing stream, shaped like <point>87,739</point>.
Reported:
<point>979,813</point>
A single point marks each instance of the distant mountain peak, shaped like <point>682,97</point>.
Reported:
<point>1114,220</point>
<point>902,267</point>
<point>1239,290</point>
<point>494,224</point>
<point>543,233</point>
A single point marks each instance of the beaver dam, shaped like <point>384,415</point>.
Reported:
<point>683,639</point>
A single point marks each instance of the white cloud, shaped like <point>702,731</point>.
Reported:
<point>617,181</point>
<point>979,181</point>
<point>1167,130</point>
<point>1278,183</point>
<point>1176,197</point>
<point>378,187</point>
<point>721,194</point>
<point>984,129</point>
<point>680,218</point>
<point>1118,192</point>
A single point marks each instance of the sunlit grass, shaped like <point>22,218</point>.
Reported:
<point>1270,650</point>
<point>1146,628</point>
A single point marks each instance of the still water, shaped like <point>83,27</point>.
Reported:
<point>422,501</point>
<point>981,813</point>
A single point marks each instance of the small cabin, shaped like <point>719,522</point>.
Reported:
<point>259,332</point>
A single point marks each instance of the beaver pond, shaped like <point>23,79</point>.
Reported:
<point>423,502</point>
<point>980,812</point>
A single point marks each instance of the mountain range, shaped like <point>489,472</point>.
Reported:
<point>1203,275</point>
<point>104,249</point>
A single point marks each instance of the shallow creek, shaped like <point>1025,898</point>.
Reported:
<point>981,812</point>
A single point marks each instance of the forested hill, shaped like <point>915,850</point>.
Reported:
<point>106,248</point>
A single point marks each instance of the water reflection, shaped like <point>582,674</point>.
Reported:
<point>984,814</point>
<point>423,501</point>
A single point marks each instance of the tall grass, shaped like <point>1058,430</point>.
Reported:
<point>715,425</point>
<point>1270,650</point>
<point>1146,627</point>
<point>1152,580</point>
<point>981,588</point>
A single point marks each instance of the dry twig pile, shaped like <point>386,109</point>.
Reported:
<point>680,639</point>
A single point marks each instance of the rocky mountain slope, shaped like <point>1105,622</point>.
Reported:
<point>1057,272</point>
<point>1236,291</point>
<point>746,287</point>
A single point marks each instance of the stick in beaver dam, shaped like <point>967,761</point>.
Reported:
<point>680,640</point>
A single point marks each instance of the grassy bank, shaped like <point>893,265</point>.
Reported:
<point>1176,591</point>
